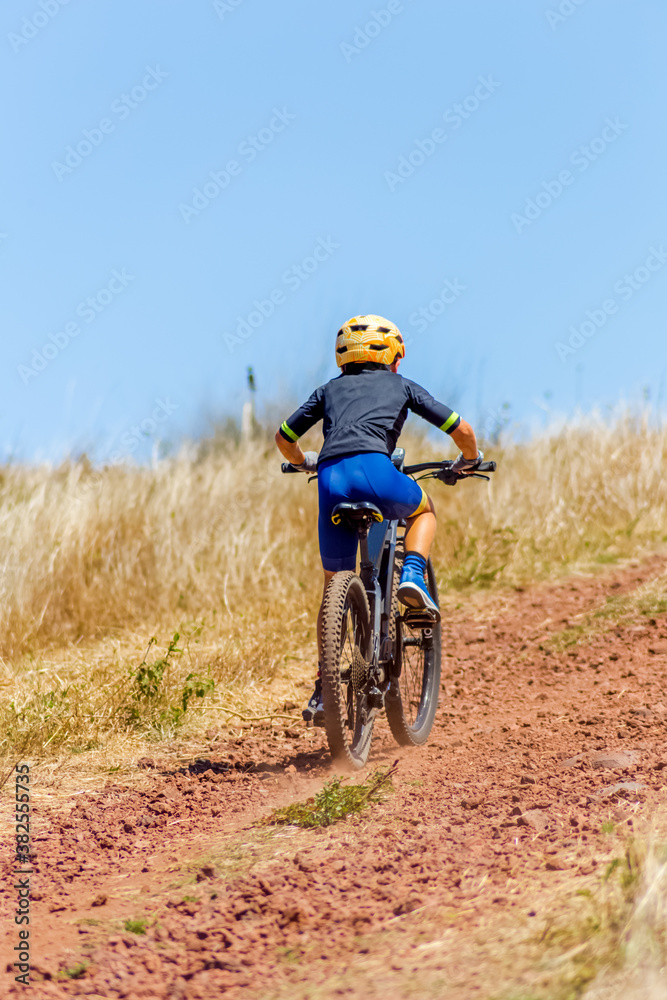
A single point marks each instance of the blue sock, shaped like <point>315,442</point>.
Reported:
<point>415,562</point>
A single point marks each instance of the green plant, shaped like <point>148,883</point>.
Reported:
<point>151,696</point>
<point>76,971</point>
<point>197,686</point>
<point>136,926</point>
<point>336,801</point>
<point>148,676</point>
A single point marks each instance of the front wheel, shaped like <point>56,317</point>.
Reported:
<point>412,699</point>
<point>345,654</point>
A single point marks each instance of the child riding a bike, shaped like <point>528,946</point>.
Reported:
<point>363,412</point>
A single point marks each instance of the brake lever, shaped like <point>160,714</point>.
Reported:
<point>447,477</point>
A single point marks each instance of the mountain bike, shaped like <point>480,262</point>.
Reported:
<point>378,654</point>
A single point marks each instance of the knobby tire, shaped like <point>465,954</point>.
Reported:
<point>346,639</point>
<point>412,700</point>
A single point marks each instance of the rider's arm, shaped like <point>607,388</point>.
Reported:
<point>464,437</point>
<point>291,450</point>
<point>297,424</point>
<point>460,431</point>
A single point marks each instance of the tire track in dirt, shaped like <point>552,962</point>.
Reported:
<point>506,799</point>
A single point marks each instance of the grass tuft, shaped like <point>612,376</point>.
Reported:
<point>336,801</point>
<point>647,601</point>
<point>136,926</point>
<point>76,971</point>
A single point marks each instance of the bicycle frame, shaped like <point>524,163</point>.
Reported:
<point>377,548</point>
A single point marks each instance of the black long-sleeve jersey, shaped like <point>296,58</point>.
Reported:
<point>364,410</point>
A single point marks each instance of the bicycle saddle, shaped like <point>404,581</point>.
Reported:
<point>356,513</point>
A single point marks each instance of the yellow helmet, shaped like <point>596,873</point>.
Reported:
<point>368,338</point>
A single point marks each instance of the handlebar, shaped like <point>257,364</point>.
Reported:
<point>439,470</point>
<point>446,474</point>
<point>446,467</point>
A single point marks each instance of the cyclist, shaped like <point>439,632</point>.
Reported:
<point>364,410</point>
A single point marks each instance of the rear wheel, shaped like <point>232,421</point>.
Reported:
<point>345,656</point>
<point>412,699</point>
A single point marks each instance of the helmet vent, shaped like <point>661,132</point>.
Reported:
<point>359,326</point>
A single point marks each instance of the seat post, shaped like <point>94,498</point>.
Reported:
<point>366,562</point>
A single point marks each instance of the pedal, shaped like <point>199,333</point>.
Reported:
<point>420,618</point>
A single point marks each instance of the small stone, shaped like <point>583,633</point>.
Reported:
<point>534,818</point>
<point>206,871</point>
<point>574,761</point>
<point>610,759</point>
<point>99,900</point>
<point>527,780</point>
<point>622,788</point>
<point>408,905</point>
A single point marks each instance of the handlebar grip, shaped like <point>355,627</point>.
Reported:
<point>486,467</point>
<point>288,467</point>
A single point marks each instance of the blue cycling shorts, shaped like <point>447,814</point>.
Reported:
<point>368,476</point>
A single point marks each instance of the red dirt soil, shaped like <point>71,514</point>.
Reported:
<point>514,784</point>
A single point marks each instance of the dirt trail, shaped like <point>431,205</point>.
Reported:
<point>437,891</point>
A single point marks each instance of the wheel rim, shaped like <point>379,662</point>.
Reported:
<point>416,645</point>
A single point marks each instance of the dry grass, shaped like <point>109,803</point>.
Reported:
<point>647,600</point>
<point>637,956</point>
<point>618,950</point>
<point>215,544</point>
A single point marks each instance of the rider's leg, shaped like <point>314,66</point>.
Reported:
<point>420,531</point>
<point>419,535</point>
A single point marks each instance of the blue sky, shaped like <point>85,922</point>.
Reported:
<point>498,167</point>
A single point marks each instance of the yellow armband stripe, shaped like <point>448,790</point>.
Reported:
<point>449,421</point>
<point>288,432</point>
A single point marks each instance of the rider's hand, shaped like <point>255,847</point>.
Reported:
<point>464,466</point>
<point>310,463</point>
